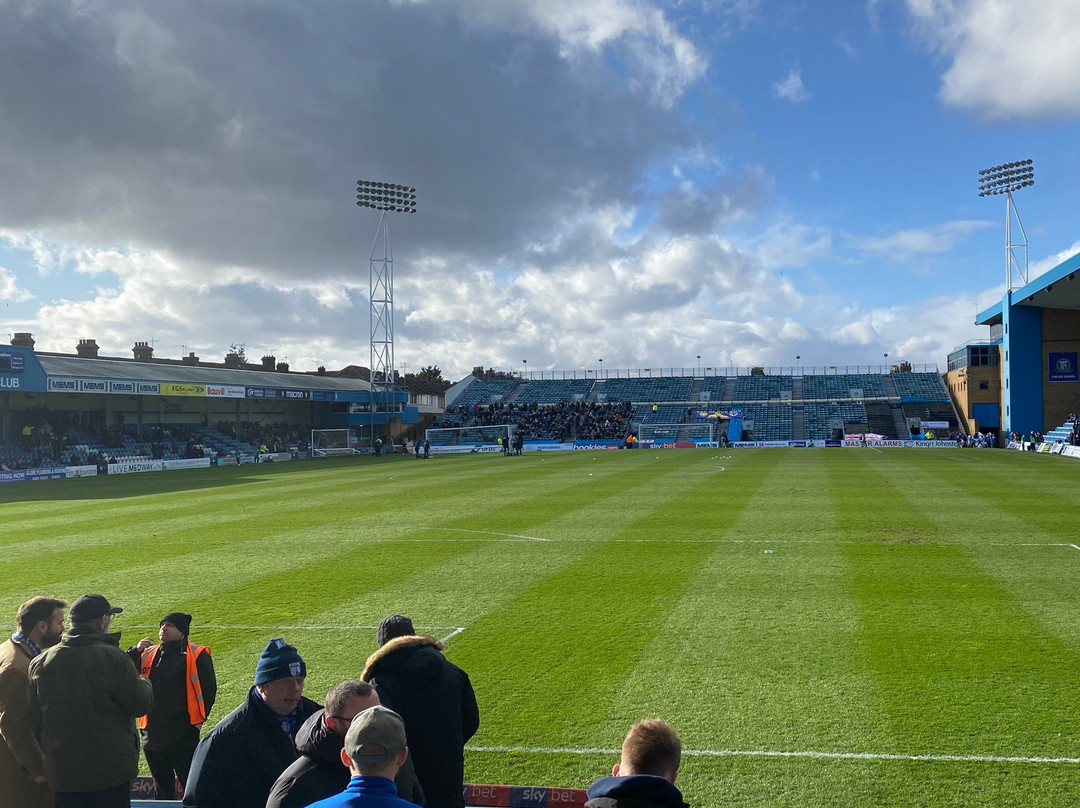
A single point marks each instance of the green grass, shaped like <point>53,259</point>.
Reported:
<point>914,603</point>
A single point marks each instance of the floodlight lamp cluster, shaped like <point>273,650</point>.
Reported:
<point>1006,178</point>
<point>385,196</point>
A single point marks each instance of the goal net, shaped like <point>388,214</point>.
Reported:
<point>669,433</point>
<point>332,443</point>
<point>470,435</point>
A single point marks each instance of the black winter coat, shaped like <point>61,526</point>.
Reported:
<point>235,766</point>
<point>319,773</point>
<point>435,699</point>
<point>634,791</point>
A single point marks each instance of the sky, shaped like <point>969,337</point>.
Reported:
<point>640,181</point>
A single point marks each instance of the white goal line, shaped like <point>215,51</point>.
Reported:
<point>807,754</point>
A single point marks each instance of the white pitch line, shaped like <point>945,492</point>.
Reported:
<point>545,750</point>
<point>285,628</point>
<point>453,633</point>
<point>486,533</point>
<point>1074,547</point>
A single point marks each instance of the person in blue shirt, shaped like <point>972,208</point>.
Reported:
<point>374,751</point>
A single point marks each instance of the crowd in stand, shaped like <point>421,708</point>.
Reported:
<point>565,420</point>
<point>75,708</point>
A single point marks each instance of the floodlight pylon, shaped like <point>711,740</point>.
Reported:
<point>1004,179</point>
<point>386,198</point>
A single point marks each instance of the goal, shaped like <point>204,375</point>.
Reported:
<point>470,435</point>
<point>668,433</point>
<point>332,443</point>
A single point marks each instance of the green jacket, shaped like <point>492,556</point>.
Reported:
<point>85,694</point>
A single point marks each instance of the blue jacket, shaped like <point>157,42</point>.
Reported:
<point>235,766</point>
<point>365,792</point>
<point>634,791</point>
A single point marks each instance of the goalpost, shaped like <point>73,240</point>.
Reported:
<point>470,435</point>
<point>332,443</point>
<point>667,433</point>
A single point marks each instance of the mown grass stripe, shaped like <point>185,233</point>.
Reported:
<point>953,649</point>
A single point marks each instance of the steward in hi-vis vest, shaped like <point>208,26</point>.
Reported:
<point>182,674</point>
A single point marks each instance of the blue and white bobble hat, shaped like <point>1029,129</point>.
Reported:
<point>278,661</point>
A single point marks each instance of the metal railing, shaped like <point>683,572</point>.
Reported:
<point>706,371</point>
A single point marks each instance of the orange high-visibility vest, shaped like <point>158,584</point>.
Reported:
<point>195,706</point>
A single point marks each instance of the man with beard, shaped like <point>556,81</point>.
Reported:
<point>185,686</point>
<point>22,764</point>
<point>84,697</point>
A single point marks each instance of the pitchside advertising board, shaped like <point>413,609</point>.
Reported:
<point>190,390</point>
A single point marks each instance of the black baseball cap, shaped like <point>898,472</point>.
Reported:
<point>91,607</point>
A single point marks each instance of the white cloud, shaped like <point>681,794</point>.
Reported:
<point>659,59</point>
<point>1009,58</point>
<point>1044,265</point>
<point>904,244</point>
<point>791,88</point>
<point>9,288</point>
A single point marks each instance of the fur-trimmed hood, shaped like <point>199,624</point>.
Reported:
<point>409,656</point>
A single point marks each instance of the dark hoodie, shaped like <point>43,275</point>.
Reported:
<point>435,699</point>
<point>634,791</point>
<point>319,773</point>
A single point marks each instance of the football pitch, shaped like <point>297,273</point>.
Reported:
<point>822,627</point>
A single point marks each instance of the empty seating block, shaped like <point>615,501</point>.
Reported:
<point>670,388</point>
<point>761,388</point>
<point>552,391</point>
<point>920,387</point>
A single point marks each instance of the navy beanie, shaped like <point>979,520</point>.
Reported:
<point>396,625</point>
<point>278,661</point>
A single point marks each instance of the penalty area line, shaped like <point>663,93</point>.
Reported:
<point>807,754</point>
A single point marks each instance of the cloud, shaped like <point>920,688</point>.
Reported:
<point>791,88</point>
<point>1010,59</point>
<point>9,288</point>
<point>904,244</point>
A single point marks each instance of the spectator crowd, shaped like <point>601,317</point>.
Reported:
<point>75,709</point>
<point>566,420</point>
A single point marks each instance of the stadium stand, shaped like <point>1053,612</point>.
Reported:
<point>761,388</point>
<point>660,389</point>
<point>770,421</point>
<point>714,386</point>
<point>920,387</point>
<point>552,391</point>
<point>844,386</point>
<point>485,391</point>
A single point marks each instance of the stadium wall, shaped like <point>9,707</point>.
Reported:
<point>1061,395</point>
<point>1022,395</point>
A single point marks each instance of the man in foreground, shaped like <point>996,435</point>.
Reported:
<point>434,698</point>
<point>84,697</point>
<point>22,765</point>
<point>185,686</point>
<point>235,766</point>
<point>374,751</point>
<point>645,775</point>
<point>319,772</point>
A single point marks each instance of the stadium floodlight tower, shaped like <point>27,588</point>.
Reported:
<point>385,197</point>
<point>1004,179</point>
